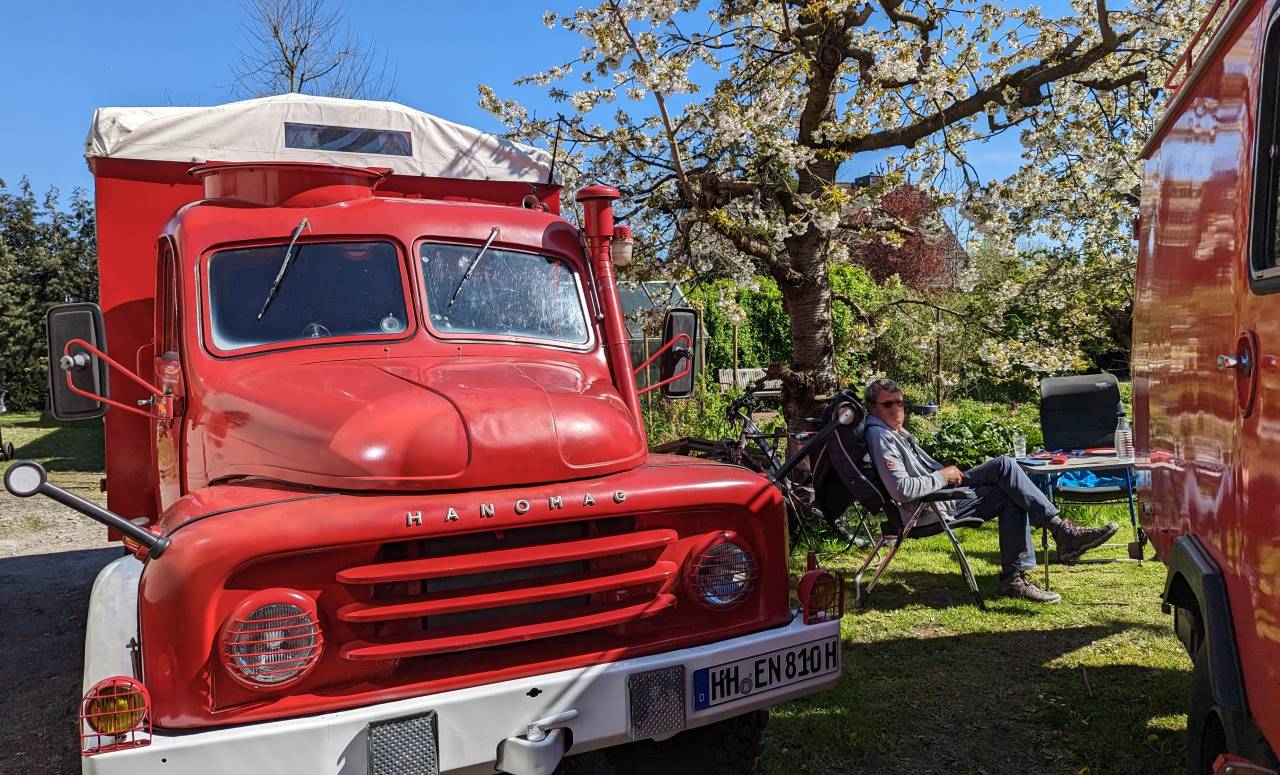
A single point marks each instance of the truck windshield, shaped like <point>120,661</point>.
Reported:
<point>331,290</point>
<point>509,293</point>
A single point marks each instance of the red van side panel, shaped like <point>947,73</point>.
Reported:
<point>1207,469</point>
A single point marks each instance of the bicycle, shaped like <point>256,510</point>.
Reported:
<point>757,450</point>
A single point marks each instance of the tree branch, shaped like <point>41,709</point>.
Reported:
<point>870,317</point>
<point>685,187</point>
<point>1026,81</point>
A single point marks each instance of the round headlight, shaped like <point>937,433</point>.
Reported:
<point>272,639</point>
<point>722,574</point>
<point>114,715</point>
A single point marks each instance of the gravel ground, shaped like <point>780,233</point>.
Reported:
<point>49,557</point>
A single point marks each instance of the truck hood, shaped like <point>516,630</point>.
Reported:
<point>418,424</point>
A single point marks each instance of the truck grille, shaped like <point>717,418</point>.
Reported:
<point>483,590</point>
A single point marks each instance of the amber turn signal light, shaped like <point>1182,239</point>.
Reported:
<point>115,714</point>
<point>821,594</point>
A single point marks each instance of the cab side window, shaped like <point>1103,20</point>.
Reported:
<point>167,304</point>
<point>1264,268</point>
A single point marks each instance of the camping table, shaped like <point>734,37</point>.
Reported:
<point>1049,473</point>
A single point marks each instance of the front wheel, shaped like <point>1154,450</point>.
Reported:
<point>729,747</point>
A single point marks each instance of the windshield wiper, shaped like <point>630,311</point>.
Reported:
<point>284,267</point>
<point>472,266</point>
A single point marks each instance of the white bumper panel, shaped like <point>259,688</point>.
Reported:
<point>472,722</point>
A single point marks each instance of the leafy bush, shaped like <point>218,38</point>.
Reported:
<point>966,433</point>
<point>704,414</point>
<point>48,255</point>
<point>764,332</point>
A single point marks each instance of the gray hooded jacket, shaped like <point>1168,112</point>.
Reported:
<point>908,472</point>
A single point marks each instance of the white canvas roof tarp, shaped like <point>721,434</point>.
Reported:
<point>254,130</point>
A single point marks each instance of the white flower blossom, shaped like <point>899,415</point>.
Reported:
<point>744,190</point>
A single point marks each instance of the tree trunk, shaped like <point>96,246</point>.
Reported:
<point>812,371</point>
<point>806,297</point>
<point>805,282</point>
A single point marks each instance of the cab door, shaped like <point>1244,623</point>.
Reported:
<point>1249,549</point>
<point>167,362</point>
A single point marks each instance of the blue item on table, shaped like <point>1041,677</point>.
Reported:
<point>1086,479</point>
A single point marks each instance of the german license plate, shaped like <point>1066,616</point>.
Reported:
<point>764,672</point>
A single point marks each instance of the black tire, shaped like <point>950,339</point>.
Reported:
<point>1206,737</point>
<point>729,747</point>
<point>1206,734</point>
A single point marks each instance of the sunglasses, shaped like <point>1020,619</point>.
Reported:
<point>891,404</point>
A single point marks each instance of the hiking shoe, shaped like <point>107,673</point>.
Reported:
<point>1073,541</point>
<point>1020,586</point>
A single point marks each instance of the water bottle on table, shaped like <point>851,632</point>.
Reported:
<point>1019,446</point>
<point>1124,438</point>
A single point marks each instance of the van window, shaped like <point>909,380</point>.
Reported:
<point>331,290</point>
<point>1264,274</point>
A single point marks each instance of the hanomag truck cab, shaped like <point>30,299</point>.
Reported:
<point>390,506</point>
<point>1206,377</point>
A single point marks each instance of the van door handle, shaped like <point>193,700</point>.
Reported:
<point>1228,362</point>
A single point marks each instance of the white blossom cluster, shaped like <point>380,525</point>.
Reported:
<point>727,126</point>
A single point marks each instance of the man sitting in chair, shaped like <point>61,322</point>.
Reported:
<point>1002,487</point>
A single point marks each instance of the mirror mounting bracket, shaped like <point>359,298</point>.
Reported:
<point>162,400</point>
<point>682,347</point>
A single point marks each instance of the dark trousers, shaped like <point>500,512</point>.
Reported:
<point>1006,492</point>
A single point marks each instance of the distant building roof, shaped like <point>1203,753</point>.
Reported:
<point>649,294</point>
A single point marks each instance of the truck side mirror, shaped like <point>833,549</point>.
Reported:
<point>65,323</point>
<point>678,362</point>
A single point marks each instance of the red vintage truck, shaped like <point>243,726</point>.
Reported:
<point>1206,376</point>
<point>375,451</point>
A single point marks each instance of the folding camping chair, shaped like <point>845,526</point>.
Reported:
<point>844,474</point>
<point>1080,413</point>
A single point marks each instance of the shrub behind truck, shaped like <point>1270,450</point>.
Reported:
<point>375,451</point>
<point>1206,376</point>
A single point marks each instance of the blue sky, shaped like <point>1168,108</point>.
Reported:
<point>63,58</point>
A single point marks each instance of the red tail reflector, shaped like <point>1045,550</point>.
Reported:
<point>115,715</point>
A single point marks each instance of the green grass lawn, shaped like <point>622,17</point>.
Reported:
<point>931,684</point>
<point>71,451</point>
